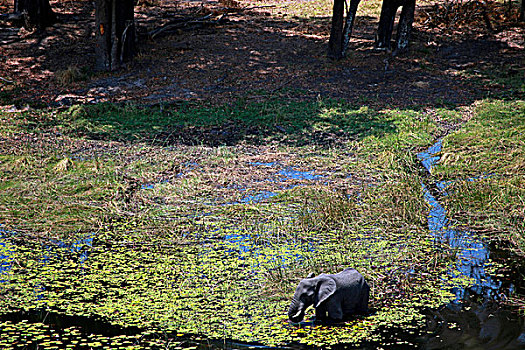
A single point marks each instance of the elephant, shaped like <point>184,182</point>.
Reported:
<point>334,296</point>
<point>340,34</point>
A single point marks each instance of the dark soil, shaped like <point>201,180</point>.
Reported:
<point>259,51</point>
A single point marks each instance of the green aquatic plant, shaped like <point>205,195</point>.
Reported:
<point>180,252</point>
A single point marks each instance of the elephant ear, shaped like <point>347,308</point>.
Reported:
<point>325,289</point>
<point>310,275</point>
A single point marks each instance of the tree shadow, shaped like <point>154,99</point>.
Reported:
<point>256,51</point>
<point>322,123</point>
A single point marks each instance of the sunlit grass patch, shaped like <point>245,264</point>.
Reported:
<point>319,8</point>
<point>54,196</point>
<point>486,160</point>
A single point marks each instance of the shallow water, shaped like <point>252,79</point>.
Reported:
<point>6,253</point>
<point>194,274</point>
<point>482,322</point>
<point>284,179</point>
<point>472,254</point>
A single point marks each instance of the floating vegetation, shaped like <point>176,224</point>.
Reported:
<point>216,288</point>
<point>201,246</point>
<point>39,335</point>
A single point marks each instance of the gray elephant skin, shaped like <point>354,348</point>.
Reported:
<point>334,296</point>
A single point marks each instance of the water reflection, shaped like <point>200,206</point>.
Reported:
<point>292,174</point>
<point>472,326</point>
<point>282,177</point>
<point>81,247</point>
<point>6,254</point>
<point>472,255</point>
<point>258,197</point>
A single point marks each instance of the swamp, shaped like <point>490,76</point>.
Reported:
<point>177,202</point>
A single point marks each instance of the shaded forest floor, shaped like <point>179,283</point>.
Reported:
<point>257,47</point>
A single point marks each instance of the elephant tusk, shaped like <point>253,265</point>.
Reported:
<point>297,315</point>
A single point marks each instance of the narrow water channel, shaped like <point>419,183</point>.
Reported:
<point>475,320</point>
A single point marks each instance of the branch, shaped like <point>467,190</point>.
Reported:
<point>179,23</point>
<point>184,22</point>
<point>256,7</point>
<point>11,17</point>
<point>7,81</point>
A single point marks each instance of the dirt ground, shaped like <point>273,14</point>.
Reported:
<point>258,48</point>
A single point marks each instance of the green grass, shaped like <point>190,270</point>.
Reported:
<point>491,149</point>
<point>503,81</point>
<point>52,196</point>
<point>321,8</point>
<point>299,121</point>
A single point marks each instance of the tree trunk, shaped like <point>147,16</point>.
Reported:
<point>341,28</point>
<point>36,13</point>
<point>349,24</point>
<point>404,28</point>
<point>522,11</point>
<point>115,33</point>
<point>386,23</point>
<point>335,43</point>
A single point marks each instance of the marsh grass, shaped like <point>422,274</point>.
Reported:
<point>52,196</point>
<point>486,160</point>
<point>178,249</point>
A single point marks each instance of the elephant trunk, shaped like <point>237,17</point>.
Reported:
<point>296,311</point>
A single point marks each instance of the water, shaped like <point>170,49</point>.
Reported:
<point>81,248</point>
<point>5,254</point>
<point>292,174</point>
<point>258,197</point>
<point>430,157</point>
<point>478,324</point>
<point>472,254</point>
<point>286,178</point>
<point>287,174</point>
<point>465,324</point>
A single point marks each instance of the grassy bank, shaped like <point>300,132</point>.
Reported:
<point>486,161</point>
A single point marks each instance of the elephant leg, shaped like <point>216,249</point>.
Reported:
<point>349,24</point>
<point>386,24</point>
<point>320,313</point>
<point>335,311</point>
<point>362,308</point>
<point>405,24</point>
<point>336,33</point>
